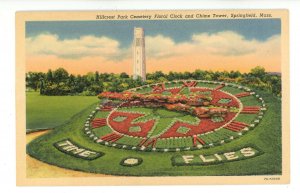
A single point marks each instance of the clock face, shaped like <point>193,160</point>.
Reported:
<point>136,126</point>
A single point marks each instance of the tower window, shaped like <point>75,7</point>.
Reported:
<point>138,42</point>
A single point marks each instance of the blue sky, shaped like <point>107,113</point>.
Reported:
<point>178,30</point>
<point>179,45</point>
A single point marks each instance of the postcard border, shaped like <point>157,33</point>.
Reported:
<point>22,180</point>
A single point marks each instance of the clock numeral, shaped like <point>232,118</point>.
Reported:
<point>147,142</point>
<point>243,94</point>
<point>219,87</point>
<point>251,110</point>
<point>99,122</point>
<point>197,139</point>
<point>106,108</point>
<point>112,137</point>
<point>236,126</point>
<point>190,84</point>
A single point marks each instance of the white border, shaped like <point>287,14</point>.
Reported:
<point>7,113</point>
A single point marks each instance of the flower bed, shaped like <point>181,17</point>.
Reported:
<point>174,90</point>
<point>197,139</point>
<point>190,84</point>
<point>236,126</point>
<point>111,137</point>
<point>158,88</point>
<point>251,110</point>
<point>124,126</point>
<point>106,108</point>
<point>205,125</point>
<point>157,132</point>
<point>218,95</point>
<point>219,87</point>
<point>243,94</point>
<point>148,142</point>
<point>99,122</point>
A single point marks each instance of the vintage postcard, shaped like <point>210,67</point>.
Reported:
<point>152,97</point>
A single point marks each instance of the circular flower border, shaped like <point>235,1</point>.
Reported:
<point>88,131</point>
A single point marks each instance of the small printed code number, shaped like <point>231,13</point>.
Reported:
<point>271,178</point>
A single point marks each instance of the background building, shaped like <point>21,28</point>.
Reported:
<point>139,58</point>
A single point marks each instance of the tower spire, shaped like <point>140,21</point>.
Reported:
<point>139,58</point>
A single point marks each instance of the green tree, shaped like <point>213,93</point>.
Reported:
<point>49,76</point>
<point>97,77</point>
<point>258,71</point>
<point>60,75</point>
<point>124,75</point>
<point>33,80</point>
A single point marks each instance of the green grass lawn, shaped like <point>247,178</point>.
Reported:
<point>50,111</point>
<point>266,136</point>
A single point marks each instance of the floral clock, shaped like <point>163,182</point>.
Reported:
<point>132,125</point>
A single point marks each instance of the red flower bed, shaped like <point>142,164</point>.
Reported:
<point>112,137</point>
<point>197,139</point>
<point>99,122</point>
<point>199,89</point>
<point>132,104</point>
<point>174,90</point>
<point>190,84</point>
<point>123,127</point>
<point>218,95</point>
<point>219,87</point>
<point>204,126</point>
<point>236,126</point>
<point>243,94</point>
<point>251,110</point>
<point>158,88</point>
<point>147,142</point>
<point>106,108</point>
<point>120,96</point>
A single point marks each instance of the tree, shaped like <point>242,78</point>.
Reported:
<point>60,75</point>
<point>156,75</point>
<point>97,77</point>
<point>171,75</point>
<point>208,77</point>
<point>42,86</point>
<point>60,82</point>
<point>198,74</point>
<point>234,74</point>
<point>90,76</point>
<point>33,80</point>
<point>124,75</point>
<point>258,71</point>
<point>49,76</point>
<point>96,88</point>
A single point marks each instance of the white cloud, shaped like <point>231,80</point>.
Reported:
<point>159,46</point>
<point>50,44</point>
<point>225,43</point>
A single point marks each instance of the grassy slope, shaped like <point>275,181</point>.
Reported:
<point>266,136</point>
<point>50,111</point>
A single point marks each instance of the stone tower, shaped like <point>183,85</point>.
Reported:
<point>139,58</point>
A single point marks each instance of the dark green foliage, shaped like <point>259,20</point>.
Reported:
<point>60,82</point>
